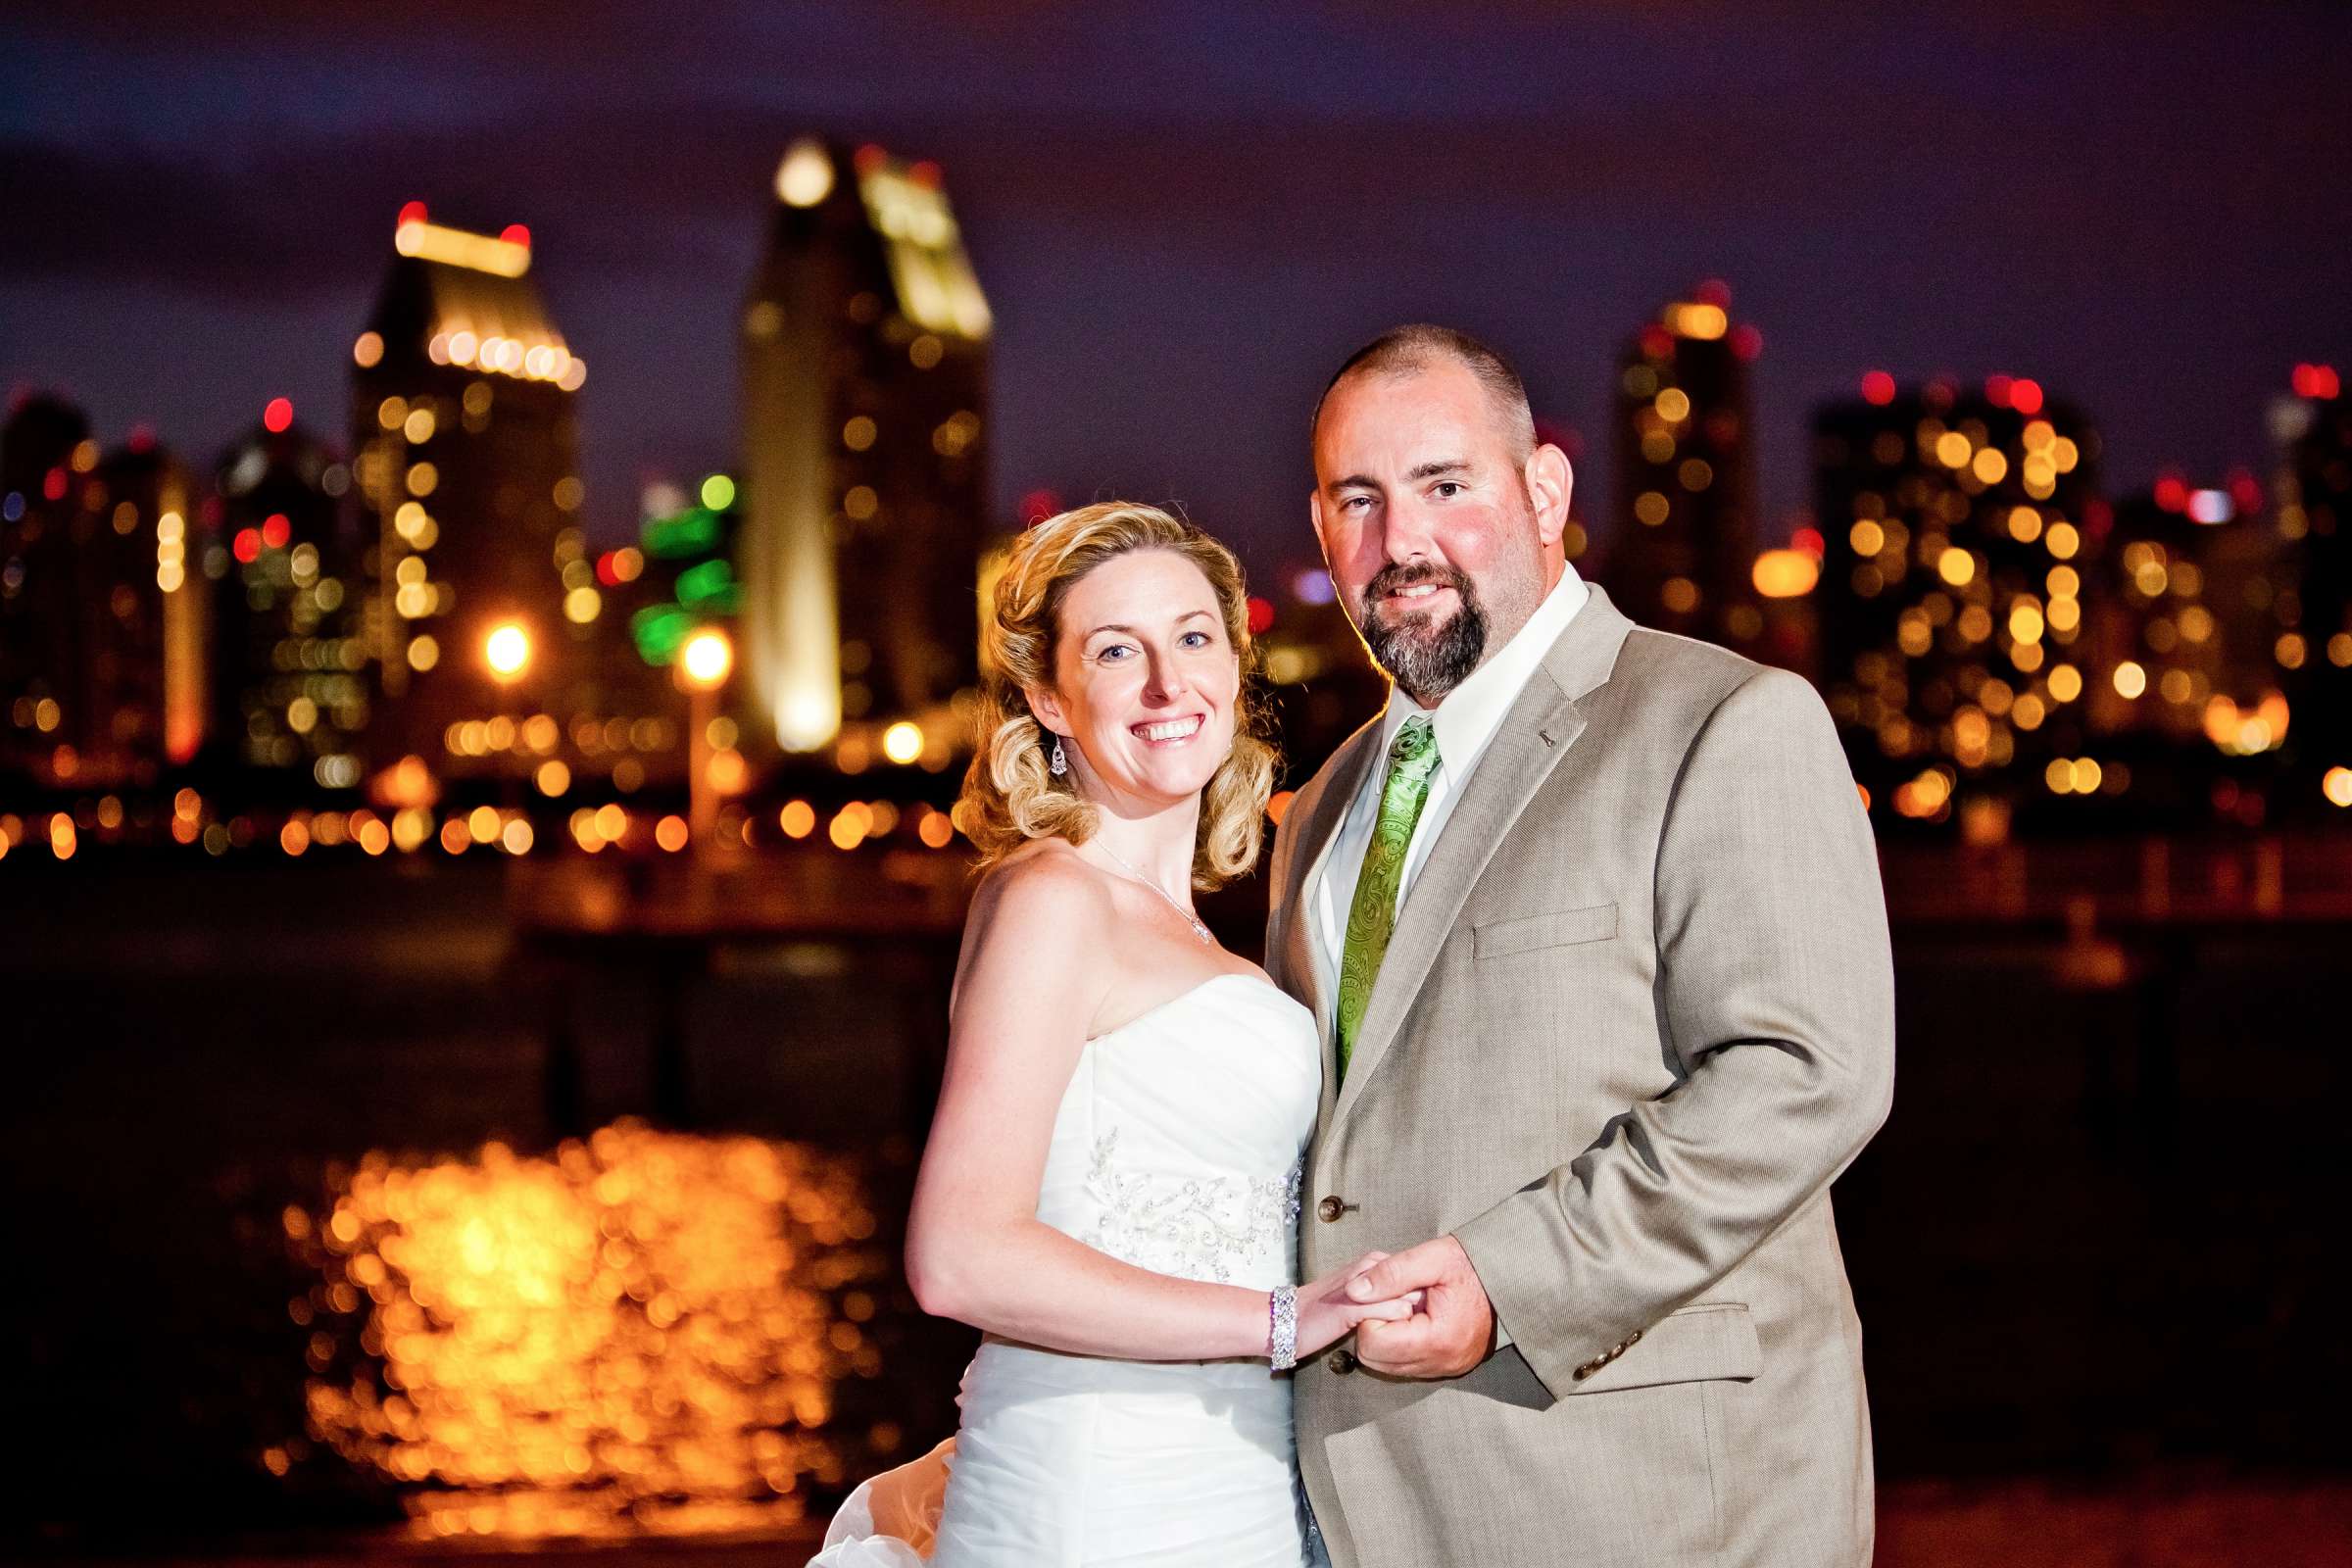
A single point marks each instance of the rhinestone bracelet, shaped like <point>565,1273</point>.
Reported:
<point>1282,1333</point>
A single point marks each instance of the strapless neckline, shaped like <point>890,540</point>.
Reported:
<point>1192,991</point>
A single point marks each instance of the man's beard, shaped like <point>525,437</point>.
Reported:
<point>1428,658</point>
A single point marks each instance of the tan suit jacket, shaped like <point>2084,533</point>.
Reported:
<point>1637,1013</point>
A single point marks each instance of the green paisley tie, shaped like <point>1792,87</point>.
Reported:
<point>1372,914</point>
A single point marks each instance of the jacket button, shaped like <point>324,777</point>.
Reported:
<point>1330,1208</point>
<point>1342,1361</point>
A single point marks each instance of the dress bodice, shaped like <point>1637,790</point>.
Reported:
<point>1176,1148</point>
<point>1178,1144</point>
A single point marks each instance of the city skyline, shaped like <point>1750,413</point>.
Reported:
<point>2138,220</point>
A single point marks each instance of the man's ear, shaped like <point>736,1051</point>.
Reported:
<point>1551,481</point>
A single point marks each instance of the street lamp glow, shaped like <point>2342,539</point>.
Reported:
<point>707,658</point>
<point>902,742</point>
<point>805,176</point>
<point>508,648</point>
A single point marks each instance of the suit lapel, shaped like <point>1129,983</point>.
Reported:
<point>1536,732</point>
<point>1302,931</point>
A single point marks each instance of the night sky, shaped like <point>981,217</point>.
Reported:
<point>1185,215</point>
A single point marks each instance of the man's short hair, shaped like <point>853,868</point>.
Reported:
<point>1403,350</point>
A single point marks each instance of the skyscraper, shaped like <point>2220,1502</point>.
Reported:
<point>2314,498</point>
<point>44,439</point>
<point>1959,533</point>
<point>864,359</point>
<point>477,587</point>
<point>105,629</point>
<point>291,667</point>
<point>1684,544</point>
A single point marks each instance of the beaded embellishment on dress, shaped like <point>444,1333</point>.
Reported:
<point>1198,1228</point>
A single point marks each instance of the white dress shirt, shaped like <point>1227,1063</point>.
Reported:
<point>1466,720</point>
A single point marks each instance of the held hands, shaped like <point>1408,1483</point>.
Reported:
<point>1451,1332</point>
<point>1328,1309</point>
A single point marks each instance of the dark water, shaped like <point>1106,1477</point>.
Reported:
<point>2052,1283</point>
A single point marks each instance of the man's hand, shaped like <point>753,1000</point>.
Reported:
<point>1454,1328</point>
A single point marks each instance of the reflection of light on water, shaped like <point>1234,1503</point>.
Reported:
<point>641,1331</point>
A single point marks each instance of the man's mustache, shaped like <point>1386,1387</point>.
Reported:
<point>1405,575</point>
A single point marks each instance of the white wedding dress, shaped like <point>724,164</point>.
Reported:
<point>1177,1148</point>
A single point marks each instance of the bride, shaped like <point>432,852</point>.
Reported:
<point>1111,1179</point>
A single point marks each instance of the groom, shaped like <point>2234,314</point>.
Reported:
<point>1589,918</point>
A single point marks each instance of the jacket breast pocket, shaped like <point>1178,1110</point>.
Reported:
<point>1558,928</point>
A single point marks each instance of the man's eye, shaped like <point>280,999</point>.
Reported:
<point>1354,502</point>
<point>1449,488</point>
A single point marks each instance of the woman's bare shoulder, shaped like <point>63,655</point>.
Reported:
<point>1046,908</point>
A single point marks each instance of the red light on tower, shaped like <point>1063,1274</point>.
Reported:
<point>276,530</point>
<point>1036,506</point>
<point>2172,493</point>
<point>1998,389</point>
<point>2245,490</point>
<point>868,158</point>
<point>1261,615</point>
<point>142,438</point>
<point>277,415</point>
<point>247,545</point>
<point>1714,292</point>
<point>53,485</point>
<point>515,234</point>
<point>925,174</point>
<point>1877,387</point>
<point>1746,342</point>
<point>2316,381</point>
<point>413,212</point>
<point>1809,541</point>
<point>1656,342</point>
<point>2024,396</point>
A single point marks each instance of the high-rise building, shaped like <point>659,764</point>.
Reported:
<point>864,359</point>
<point>1960,531</point>
<point>2314,505</point>
<point>2176,647</point>
<point>105,627</point>
<point>291,667</point>
<point>477,589</point>
<point>1685,538</point>
<point>42,444</point>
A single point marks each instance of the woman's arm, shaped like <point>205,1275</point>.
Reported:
<point>1037,969</point>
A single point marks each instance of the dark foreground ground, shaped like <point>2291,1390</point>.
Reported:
<point>2099,1325</point>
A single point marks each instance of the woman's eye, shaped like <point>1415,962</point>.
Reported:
<point>1197,639</point>
<point>1115,653</point>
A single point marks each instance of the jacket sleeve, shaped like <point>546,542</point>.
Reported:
<point>1776,991</point>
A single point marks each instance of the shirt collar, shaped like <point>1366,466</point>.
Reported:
<point>1468,716</point>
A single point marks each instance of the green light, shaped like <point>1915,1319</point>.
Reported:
<point>718,491</point>
<point>692,532</point>
<point>659,631</point>
<point>709,587</point>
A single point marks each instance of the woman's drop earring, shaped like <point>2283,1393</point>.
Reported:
<point>1058,765</point>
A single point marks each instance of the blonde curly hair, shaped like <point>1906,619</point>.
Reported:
<point>1010,794</point>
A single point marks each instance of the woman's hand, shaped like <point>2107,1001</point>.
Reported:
<point>1326,1314</point>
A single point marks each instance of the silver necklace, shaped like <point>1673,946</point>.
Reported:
<point>1190,917</point>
